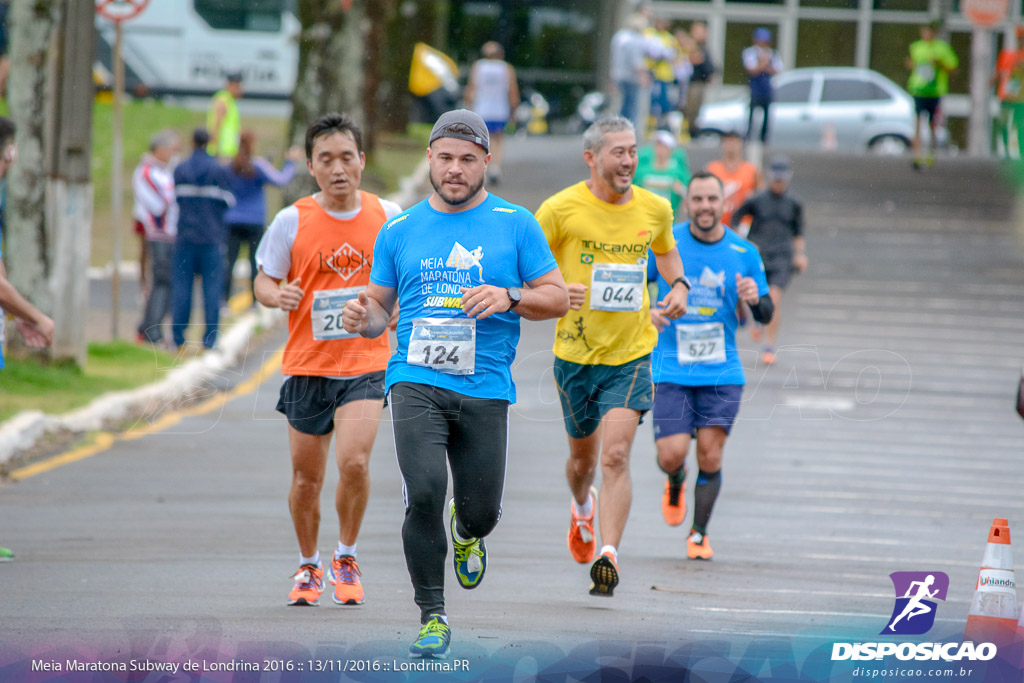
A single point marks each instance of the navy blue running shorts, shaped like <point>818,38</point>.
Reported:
<point>778,268</point>
<point>684,410</point>
<point>309,402</point>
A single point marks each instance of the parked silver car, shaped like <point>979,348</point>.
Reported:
<point>840,108</point>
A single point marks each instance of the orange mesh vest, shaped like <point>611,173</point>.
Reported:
<point>329,253</point>
<point>737,186</point>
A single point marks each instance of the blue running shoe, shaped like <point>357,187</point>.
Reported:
<point>470,557</point>
<point>433,640</point>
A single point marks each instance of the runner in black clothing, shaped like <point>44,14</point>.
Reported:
<point>778,232</point>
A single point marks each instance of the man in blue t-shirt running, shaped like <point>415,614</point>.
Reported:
<point>698,377</point>
<point>455,263</point>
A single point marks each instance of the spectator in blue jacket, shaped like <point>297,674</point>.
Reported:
<point>761,63</point>
<point>247,175</point>
<point>203,193</point>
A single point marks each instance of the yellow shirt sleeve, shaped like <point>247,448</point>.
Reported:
<point>548,220</point>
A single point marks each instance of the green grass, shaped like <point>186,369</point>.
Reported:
<point>57,389</point>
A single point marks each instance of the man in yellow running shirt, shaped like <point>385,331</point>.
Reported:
<point>600,230</point>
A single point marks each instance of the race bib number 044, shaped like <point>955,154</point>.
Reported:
<point>443,344</point>
<point>700,343</point>
<point>617,287</point>
<point>325,315</point>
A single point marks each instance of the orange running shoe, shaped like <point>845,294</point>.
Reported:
<point>309,584</point>
<point>582,540</point>
<point>768,358</point>
<point>344,575</point>
<point>604,574</point>
<point>673,503</point>
<point>698,547</point>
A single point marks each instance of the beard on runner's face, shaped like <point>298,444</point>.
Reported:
<point>705,218</point>
<point>452,195</point>
<point>620,176</point>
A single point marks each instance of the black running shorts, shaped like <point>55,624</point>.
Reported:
<point>309,402</point>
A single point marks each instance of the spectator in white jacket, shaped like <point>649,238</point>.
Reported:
<point>156,215</point>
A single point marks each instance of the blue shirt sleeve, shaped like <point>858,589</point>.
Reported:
<point>383,271</point>
<point>652,266</point>
<point>535,257</point>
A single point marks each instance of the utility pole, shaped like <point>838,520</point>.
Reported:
<point>983,15</point>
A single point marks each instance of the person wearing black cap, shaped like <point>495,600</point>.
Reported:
<point>778,232</point>
<point>223,121</point>
<point>455,264</point>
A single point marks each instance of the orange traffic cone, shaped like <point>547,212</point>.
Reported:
<point>992,617</point>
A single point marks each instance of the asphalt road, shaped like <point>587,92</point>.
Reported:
<point>883,440</point>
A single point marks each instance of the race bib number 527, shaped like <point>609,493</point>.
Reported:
<point>700,343</point>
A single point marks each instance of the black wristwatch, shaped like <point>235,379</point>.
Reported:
<point>514,295</point>
<point>686,283</point>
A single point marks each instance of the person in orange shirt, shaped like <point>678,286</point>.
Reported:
<point>314,257</point>
<point>739,177</point>
<point>1009,79</point>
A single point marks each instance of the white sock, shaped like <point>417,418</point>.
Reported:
<point>586,509</point>
<point>345,550</point>
<point>315,560</point>
<point>458,536</point>
<point>610,549</point>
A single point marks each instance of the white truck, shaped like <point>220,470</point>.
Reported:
<point>186,47</point>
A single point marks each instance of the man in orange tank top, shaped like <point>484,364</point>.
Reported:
<point>315,256</point>
<point>739,177</point>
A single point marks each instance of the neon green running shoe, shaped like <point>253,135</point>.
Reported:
<point>6,554</point>
<point>433,640</point>
<point>470,557</point>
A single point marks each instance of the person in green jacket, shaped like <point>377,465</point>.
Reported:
<point>223,121</point>
<point>665,171</point>
<point>930,61</point>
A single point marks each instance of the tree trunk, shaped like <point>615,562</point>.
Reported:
<point>29,250</point>
<point>379,13</point>
<point>330,72</point>
<point>49,193</point>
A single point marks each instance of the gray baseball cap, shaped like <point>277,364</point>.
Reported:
<point>781,168</point>
<point>467,118</point>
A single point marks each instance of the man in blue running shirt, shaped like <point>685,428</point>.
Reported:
<point>456,264</point>
<point>698,377</point>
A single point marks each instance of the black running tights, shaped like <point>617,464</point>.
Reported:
<point>429,424</point>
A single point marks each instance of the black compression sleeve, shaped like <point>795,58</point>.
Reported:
<point>764,309</point>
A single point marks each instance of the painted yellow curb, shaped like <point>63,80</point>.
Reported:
<point>104,440</point>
